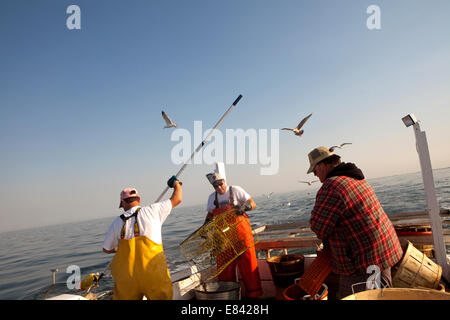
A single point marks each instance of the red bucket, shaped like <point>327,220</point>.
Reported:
<point>294,292</point>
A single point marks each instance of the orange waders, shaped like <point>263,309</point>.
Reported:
<point>247,261</point>
<point>139,268</point>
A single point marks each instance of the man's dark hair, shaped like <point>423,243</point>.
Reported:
<point>131,199</point>
<point>333,160</point>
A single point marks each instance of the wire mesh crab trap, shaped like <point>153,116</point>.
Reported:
<point>217,243</point>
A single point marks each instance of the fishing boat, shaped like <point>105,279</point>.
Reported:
<point>424,234</point>
<point>297,239</point>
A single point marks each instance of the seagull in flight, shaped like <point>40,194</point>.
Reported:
<point>297,130</point>
<point>308,182</point>
<point>268,195</point>
<point>340,146</point>
<point>169,123</point>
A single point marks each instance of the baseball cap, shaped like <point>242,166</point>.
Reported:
<point>316,155</point>
<point>128,193</point>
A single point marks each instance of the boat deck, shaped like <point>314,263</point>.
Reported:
<point>295,237</point>
<point>299,239</point>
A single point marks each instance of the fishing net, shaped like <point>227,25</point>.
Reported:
<point>217,243</point>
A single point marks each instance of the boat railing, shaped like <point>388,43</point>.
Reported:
<point>298,235</point>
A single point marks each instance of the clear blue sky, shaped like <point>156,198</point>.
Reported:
<point>80,109</point>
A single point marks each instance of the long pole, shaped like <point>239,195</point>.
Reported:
<point>431,199</point>
<point>202,144</point>
<point>190,159</point>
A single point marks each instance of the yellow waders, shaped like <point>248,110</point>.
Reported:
<point>139,269</point>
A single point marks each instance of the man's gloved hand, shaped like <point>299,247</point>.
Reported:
<point>247,206</point>
<point>240,210</point>
<point>172,180</point>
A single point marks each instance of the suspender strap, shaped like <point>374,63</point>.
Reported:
<point>136,225</point>
<point>232,197</point>
<point>216,202</point>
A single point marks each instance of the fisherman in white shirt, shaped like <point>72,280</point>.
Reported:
<point>139,266</point>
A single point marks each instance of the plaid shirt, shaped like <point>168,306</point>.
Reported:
<point>348,215</point>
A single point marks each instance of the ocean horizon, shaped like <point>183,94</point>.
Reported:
<point>196,205</point>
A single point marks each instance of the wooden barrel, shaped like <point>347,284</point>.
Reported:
<point>399,294</point>
<point>286,268</point>
<point>427,249</point>
<point>416,270</point>
<point>416,231</point>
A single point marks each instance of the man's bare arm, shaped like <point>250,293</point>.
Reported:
<point>177,195</point>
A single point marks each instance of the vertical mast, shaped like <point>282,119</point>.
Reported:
<point>430,194</point>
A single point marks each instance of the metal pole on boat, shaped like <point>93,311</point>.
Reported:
<point>430,193</point>
<point>202,144</point>
<point>54,271</point>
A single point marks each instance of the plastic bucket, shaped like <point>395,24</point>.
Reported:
<point>416,270</point>
<point>286,268</point>
<point>294,292</point>
<point>222,290</point>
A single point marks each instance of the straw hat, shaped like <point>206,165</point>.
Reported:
<point>317,155</point>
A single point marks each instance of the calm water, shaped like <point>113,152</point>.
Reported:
<point>27,256</point>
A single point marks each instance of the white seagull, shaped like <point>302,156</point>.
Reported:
<point>308,182</point>
<point>297,130</point>
<point>268,195</point>
<point>340,146</point>
<point>169,123</point>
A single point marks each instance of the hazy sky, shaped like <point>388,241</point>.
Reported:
<point>80,110</point>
